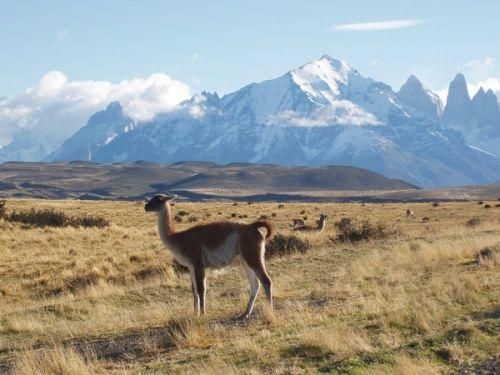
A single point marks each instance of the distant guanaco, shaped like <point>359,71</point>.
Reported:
<point>215,245</point>
<point>320,225</point>
<point>410,213</point>
<point>298,223</point>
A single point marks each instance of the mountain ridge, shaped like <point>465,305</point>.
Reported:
<point>323,112</point>
<point>86,180</point>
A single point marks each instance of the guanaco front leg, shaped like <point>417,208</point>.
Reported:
<point>199,289</point>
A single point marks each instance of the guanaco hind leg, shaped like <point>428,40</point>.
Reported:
<point>254,290</point>
<point>254,260</point>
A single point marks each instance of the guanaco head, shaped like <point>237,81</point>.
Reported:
<point>322,220</point>
<point>156,203</point>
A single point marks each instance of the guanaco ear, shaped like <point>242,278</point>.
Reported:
<point>165,197</point>
<point>172,197</point>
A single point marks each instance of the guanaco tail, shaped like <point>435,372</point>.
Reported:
<point>215,245</point>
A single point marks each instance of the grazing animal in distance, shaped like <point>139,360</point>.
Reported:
<point>410,213</point>
<point>320,225</point>
<point>215,245</point>
<point>298,223</point>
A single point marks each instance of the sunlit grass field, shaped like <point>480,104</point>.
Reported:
<point>107,300</point>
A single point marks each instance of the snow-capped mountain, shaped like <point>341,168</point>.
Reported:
<point>324,112</point>
<point>101,129</point>
<point>323,92</point>
<point>478,119</point>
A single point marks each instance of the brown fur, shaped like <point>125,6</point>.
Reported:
<point>215,245</point>
<point>298,223</point>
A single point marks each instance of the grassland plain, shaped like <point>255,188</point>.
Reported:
<point>108,301</point>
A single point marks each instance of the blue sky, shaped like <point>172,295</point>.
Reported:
<point>223,45</point>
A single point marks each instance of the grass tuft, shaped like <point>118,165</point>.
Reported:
<point>282,245</point>
<point>349,230</point>
<point>54,218</point>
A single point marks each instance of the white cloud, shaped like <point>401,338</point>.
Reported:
<point>492,83</point>
<point>443,95</point>
<point>480,69</point>
<point>341,112</point>
<point>56,107</point>
<point>378,26</point>
<point>481,63</point>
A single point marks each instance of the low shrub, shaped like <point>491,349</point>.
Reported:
<point>487,206</point>
<point>473,222</point>
<point>488,256</point>
<point>282,245</point>
<point>349,230</point>
<point>435,204</point>
<point>3,209</point>
<point>54,218</point>
<point>179,268</point>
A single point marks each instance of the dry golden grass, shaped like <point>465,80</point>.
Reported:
<point>56,361</point>
<point>76,301</point>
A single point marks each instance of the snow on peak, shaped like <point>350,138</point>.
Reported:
<point>322,92</point>
<point>322,79</point>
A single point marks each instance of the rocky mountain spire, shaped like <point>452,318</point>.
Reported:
<point>415,95</point>
<point>485,105</point>
<point>458,110</point>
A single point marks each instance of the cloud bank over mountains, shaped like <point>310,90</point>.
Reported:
<point>57,107</point>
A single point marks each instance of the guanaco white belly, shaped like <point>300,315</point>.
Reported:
<point>223,254</point>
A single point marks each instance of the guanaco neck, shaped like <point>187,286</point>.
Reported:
<point>165,223</point>
<point>322,224</point>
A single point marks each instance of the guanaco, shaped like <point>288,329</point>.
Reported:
<point>215,245</point>
<point>320,225</point>
<point>410,213</point>
<point>298,223</point>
